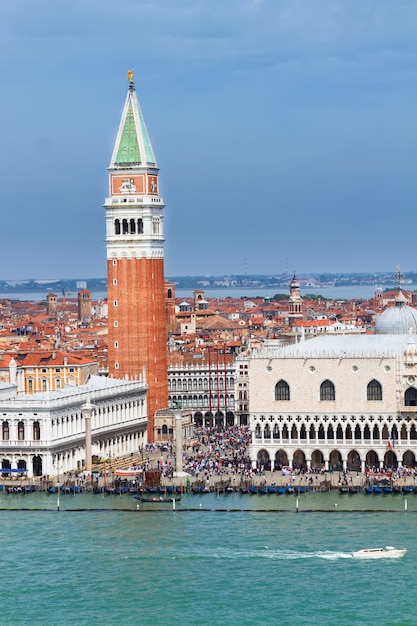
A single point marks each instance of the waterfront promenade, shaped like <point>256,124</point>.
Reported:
<point>214,459</point>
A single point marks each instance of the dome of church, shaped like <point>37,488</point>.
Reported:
<point>398,319</point>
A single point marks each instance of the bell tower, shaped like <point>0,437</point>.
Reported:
<point>137,329</point>
<point>295,311</point>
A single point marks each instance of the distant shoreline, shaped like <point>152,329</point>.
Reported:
<point>359,292</point>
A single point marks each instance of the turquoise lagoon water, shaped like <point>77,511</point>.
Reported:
<point>216,560</point>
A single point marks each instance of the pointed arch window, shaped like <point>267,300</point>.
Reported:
<point>327,391</point>
<point>374,390</point>
<point>282,390</point>
<point>410,397</point>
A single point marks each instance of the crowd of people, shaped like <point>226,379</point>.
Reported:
<point>223,455</point>
<point>212,453</point>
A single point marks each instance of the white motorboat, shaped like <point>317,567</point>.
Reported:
<point>380,553</point>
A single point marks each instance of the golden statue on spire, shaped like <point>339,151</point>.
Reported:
<point>130,76</point>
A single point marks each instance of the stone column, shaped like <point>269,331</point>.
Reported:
<point>87,410</point>
<point>178,440</point>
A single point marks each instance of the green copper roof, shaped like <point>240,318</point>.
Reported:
<point>133,146</point>
<point>128,151</point>
<point>150,158</point>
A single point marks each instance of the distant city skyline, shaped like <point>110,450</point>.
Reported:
<point>285,132</point>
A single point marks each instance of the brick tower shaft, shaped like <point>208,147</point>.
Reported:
<point>137,323</point>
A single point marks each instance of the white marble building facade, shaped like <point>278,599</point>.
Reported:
<point>44,433</point>
<point>342,402</point>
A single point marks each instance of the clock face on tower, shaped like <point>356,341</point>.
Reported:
<point>127,184</point>
<point>153,185</point>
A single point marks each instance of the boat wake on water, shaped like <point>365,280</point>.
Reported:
<point>274,554</point>
<point>286,555</point>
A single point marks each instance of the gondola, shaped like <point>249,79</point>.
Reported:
<point>301,488</point>
<point>354,490</point>
<point>158,499</point>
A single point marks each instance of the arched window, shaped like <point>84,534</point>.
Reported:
<point>125,227</point>
<point>5,431</point>
<point>282,390</point>
<point>36,431</point>
<point>327,390</point>
<point>20,431</point>
<point>374,390</point>
<point>117,227</point>
<point>410,397</point>
<point>140,226</point>
<point>132,226</point>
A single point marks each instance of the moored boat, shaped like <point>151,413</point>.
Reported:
<point>158,499</point>
<point>379,553</point>
<point>301,488</point>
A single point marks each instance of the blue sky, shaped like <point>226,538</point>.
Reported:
<point>285,131</point>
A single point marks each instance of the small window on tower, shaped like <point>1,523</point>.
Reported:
<point>116,366</point>
<point>115,323</point>
<point>114,261</point>
<point>114,281</point>
<point>116,344</point>
<point>115,303</point>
